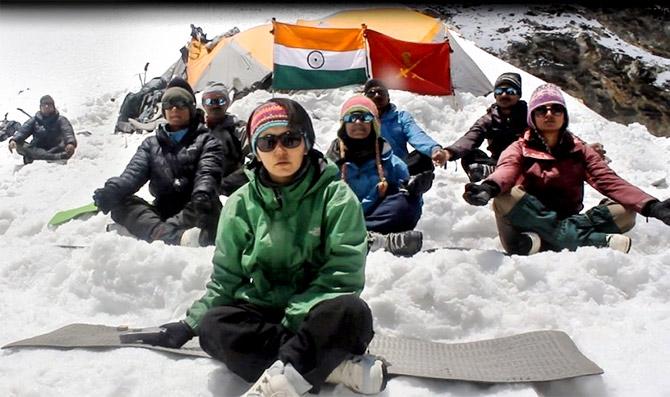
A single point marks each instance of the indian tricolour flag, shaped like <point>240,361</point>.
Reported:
<point>308,58</point>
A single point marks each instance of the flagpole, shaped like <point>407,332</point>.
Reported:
<point>368,62</point>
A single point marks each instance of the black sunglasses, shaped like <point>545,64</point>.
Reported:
<point>214,101</point>
<point>506,90</point>
<point>556,110</point>
<point>358,116</point>
<point>371,93</point>
<point>289,140</point>
<point>178,103</point>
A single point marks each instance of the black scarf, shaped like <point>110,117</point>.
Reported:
<point>360,150</point>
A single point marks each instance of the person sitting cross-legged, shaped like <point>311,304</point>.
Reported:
<point>52,135</point>
<point>538,188</point>
<point>182,163</point>
<point>283,308</point>
<point>391,204</point>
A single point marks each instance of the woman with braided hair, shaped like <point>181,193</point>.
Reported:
<point>378,178</point>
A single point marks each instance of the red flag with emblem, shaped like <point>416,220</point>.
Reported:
<point>422,68</point>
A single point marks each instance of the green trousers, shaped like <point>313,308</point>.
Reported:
<point>518,211</point>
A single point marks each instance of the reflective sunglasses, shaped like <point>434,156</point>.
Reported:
<point>289,140</point>
<point>178,103</point>
<point>215,101</point>
<point>358,116</point>
<point>371,93</point>
<point>506,90</point>
<point>556,110</point>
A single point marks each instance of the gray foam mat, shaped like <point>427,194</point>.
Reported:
<point>530,357</point>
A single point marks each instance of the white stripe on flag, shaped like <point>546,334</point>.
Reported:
<point>319,59</point>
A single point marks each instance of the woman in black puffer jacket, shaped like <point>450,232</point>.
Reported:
<point>183,167</point>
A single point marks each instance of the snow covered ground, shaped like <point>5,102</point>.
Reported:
<point>614,306</point>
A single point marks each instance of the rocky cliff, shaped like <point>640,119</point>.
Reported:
<point>616,60</point>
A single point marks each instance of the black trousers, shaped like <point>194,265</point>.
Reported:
<point>30,153</point>
<point>248,338</point>
<point>150,222</point>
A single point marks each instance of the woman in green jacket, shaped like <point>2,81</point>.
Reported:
<point>282,306</point>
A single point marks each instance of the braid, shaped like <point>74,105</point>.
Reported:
<point>383,184</point>
<point>343,168</point>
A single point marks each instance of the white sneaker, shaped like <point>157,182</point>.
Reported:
<point>365,374</point>
<point>279,380</point>
<point>619,242</point>
<point>190,238</point>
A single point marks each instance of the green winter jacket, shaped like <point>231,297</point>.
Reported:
<point>287,247</point>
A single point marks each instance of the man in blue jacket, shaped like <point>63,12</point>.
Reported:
<point>399,129</point>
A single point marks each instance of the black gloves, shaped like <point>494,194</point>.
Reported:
<point>659,210</point>
<point>201,202</point>
<point>480,194</point>
<point>420,183</point>
<point>106,198</point>
<point>172,335</point>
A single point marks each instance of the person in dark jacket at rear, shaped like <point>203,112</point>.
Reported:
<point>230,131</point>
<point>53,136</point>
<point>182,163</point>
<point>503,123</point>
<point>538,185</point>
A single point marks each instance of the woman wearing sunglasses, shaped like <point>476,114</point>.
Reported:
<point>538,187</point>
<point>378,177</point>
<point>181,162</point>
<point>282,307</point>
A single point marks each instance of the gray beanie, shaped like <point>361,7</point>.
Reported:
<point>216,88</point>
<point>512,79</point>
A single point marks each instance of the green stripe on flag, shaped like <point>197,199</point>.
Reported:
<point>292,78</point>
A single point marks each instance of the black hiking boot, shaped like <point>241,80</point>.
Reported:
<point>529,243</point>
<point>399,244</point>
<point>477,172</point>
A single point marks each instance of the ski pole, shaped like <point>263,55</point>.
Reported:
<point>24,112</point>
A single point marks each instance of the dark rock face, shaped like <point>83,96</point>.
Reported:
<point>619,86</point>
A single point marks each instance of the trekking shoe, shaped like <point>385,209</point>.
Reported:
<point>365,374</point>
<point>119,229</point>
<point>404,243</point>
<point>477,172</point>
<point>191,238</point>
<point>619,242</point>
<point>529,243</point>
<point>279,380</point>
<point>375,241</point>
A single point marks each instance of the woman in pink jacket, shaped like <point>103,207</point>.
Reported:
<point>538,187</point>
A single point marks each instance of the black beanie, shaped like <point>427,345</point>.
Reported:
<point>46,99</point>
<point>512,79</point>
<point>374,83</point>
<point>180,82</point>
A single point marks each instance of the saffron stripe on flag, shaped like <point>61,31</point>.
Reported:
<point>329,39</point>
<point>310,59</point>
<point>292,78</point>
